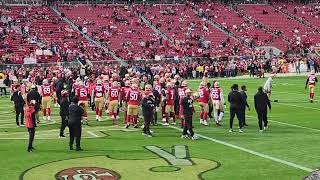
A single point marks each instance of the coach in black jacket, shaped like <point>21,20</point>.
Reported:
<point>34,95</point>
<point>261,103</point>
<point>18,106</point>
<point>246,105</point>
<point>148,105</point>
<point>236,103</point>
<point>64,111</point>
<point>74,123</point>
<point>157,100</point>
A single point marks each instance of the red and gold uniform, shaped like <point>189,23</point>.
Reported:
<point>82,93</point>
<point>98,93</point>
<point>311,81</point>
<point>169,109</point>
<point>134,98</point>
<point>46,93</point>
<point>203,102</point>
<point>124,94</point>
<point>113,99</point>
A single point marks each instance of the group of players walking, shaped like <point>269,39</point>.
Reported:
<point>168,98</point>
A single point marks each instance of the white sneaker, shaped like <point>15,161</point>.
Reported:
<point>165,124</point>
<point>265,128</point>
<point>164,120</point>
<point>230,130</point>
<point>195,137</point>
<point>201,121</point>
<point>151,131</point>
<point>44,118</point>
<point>205,123</point>
<point>97,117</point>
<point>173,123</point>
<point>241,131</point>
<point>184,136</point>
<point>49,118</point>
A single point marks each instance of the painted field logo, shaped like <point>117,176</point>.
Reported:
<point>314,176</point>
<point>87,173</point>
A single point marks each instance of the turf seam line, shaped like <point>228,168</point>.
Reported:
<point>251,152</point>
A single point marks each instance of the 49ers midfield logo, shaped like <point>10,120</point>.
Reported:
<point>87,173</point>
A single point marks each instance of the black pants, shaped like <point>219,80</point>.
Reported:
<point>64,124</point>
<point>147,120</point>
<point>19,112</point>
<point>75,134</point>
<point>188,126</point>
<point>243,114</point>
<point>31,137</point>
<point>210,110</point>
<point>262,116</point>
<point>237,112</point>
<point>3,89</point>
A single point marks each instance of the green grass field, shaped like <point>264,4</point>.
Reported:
<point>289,149</point>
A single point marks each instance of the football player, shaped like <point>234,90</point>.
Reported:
<point>182,94</point>
<point>124,93</point>
<point>113,99</point>
<point>203,101</point>
<point>46,93</point>
<point>82,93</point>
<point>98,92</point>
<point>217,99</point>
<point>134,98</point>
<point>311,81</point>
<point>169,108</point>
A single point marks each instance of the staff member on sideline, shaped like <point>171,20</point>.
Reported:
<point>34,95</point>
<point>148,105</point>
<point>18,106</point>
<point>261,102</point>
<point>75,117</point>
<point>64,111</point>
<point>243,109</point>
<point>188,109</point>
<point>236,102</point>
<point>31,123</point>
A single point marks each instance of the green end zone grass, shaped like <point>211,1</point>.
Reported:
<point>287,150</point>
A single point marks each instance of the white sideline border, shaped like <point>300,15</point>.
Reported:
<point>251,152</point>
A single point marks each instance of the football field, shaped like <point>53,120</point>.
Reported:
<point>288,150</point>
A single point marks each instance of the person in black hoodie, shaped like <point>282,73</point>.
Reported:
<point>74,123</point>
<point>157,99</point>
<point>64,111</point>
<point>261,103</point>
<point>148,105</point>
<point>188,109</point>
<point>18,105</point>
<point>35,95</point>
<point>236,102</point>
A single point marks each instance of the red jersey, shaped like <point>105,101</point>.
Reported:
<point>203,95</point>
<point>158,87</point>
<point>170,96</point>
<point>134,97</point>
<point>215,94</point>
<point>124,93</point>
<point>46,90</point>
<point>28,117</point>
<point>98,91</point>
<point>107,86</point>
<point>114,93</point>
<point>182,92</point>
<point>312,79</point>
<point>82,93</point>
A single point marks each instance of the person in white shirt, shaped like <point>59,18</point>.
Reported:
<point>268,86</point>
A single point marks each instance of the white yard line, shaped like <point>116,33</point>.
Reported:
<point>92,134</point>
<point>251,152</point>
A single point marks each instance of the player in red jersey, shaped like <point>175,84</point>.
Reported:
<point>182,94</point>
<point>82,93</point>
<point>113,99</point>
<point>134,98</point>
<point>46,93</point>
<point>311,81</point>
<point>217,99</point>
<point>98,92</point>
<point>107,86</point>
<point>124,93</point>
<point>169,108</point>
<point>203,101</point>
